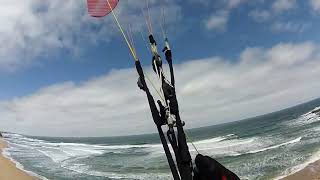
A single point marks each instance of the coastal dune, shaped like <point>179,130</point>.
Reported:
<point>8,170</point>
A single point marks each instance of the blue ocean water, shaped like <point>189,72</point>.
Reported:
<point>265,147</point>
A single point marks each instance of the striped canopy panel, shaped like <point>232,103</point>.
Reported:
<point>100,8</point>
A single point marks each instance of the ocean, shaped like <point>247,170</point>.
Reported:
<point>264,147</point>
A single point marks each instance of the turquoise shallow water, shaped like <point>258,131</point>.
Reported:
<point>264,147</point>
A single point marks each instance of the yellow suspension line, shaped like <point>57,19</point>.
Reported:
<point>130,47</point>
<point>123,34</point>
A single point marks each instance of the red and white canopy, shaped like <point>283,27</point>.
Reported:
<point>100,8</point>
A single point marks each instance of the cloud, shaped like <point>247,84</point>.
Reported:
<point>234,3</point>
<point>278,22</point>
<point>276,9</point>
<point>260,15</point>
<point>289,26</point>
<point>283,5</point>
<point>210,91</point>
<point>36,28</point>
<point>315,4</point>
<point>200,2</point>
<point>31,28</point>
<point>218,21</point>
<point>286,54</point>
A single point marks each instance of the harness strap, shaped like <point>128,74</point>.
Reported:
<point>157,120</point>
<point>172,166</point>
<point>168,54</point>
<point>173,141</point>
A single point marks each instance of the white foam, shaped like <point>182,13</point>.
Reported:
<point>218,146</point>
<point>7,155</point>
<point>10,135</point>
<point>102,147</point>
<point>58,154</point>
<point>237,147</point>
<point>20,145</point>
<point>83,169</point>
<point>315,157</point>
<point>61,153</point>
<point>55,156</point>
<point>312,111</point>
<point>304,119</point>
<point>275,146</point>
<point>213,140</point>
<point>228,147</point>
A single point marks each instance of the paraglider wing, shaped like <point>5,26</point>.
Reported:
<point>100,8</point>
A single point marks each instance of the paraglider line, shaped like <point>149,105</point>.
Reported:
<point>190,140</point>
<point>144,41</point>
<point>122,32</point>
<point>129,45</point>
<point>163,24</point>
<point>149,17</point>
<point>146,20</point>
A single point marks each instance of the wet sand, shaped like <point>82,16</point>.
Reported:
<point>311,172</point>
<point>8,169</point>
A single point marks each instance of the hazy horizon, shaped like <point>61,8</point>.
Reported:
<point>189,129</point>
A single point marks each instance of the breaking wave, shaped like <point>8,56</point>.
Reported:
<point>276,146</point>
<point>72,156</point>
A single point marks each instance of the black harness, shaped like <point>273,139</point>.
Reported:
<point>168,114</point>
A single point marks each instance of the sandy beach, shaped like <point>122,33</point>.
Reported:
<point>311,172</point>
<point>8,170</point>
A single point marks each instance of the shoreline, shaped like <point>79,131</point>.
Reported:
<point>8,170</point>
<point>310,172</point>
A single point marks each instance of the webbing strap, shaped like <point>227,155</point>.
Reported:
<point>157,120</point>
<point>172,166</point>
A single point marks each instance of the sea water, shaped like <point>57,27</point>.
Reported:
<point>265,147</point>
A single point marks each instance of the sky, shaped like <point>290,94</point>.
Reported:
<point>63,73</point>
